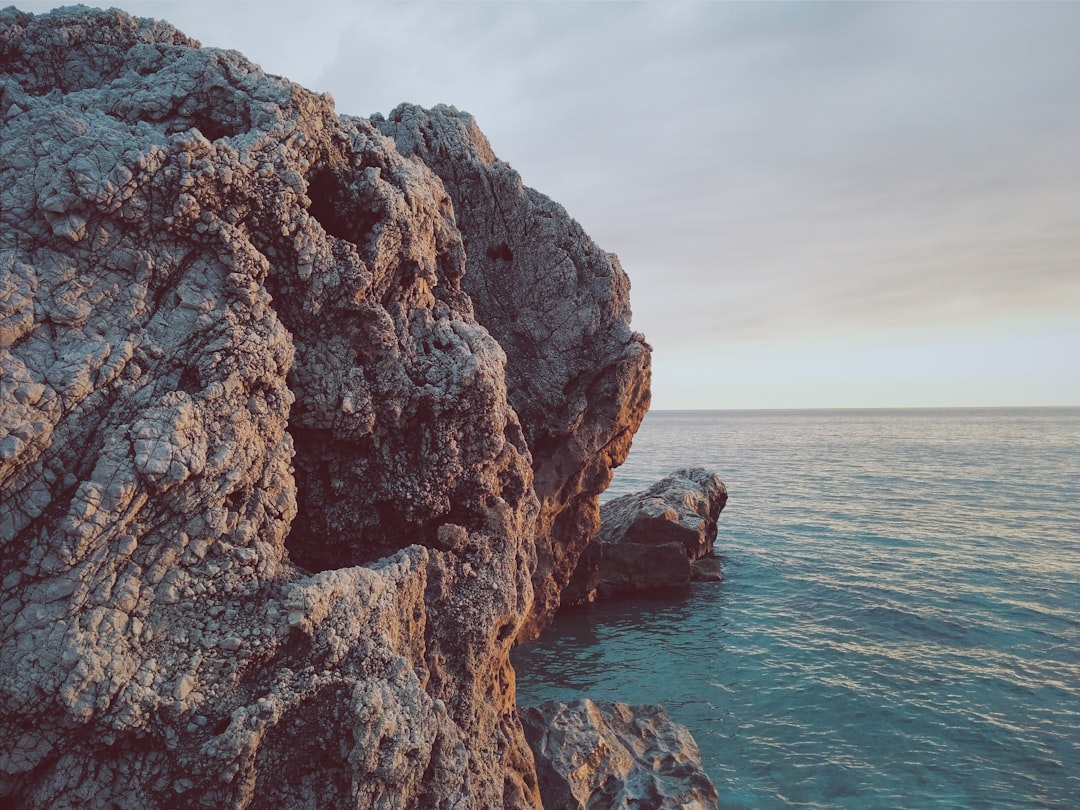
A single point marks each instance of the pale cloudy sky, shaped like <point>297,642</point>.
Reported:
<point>818,205</point>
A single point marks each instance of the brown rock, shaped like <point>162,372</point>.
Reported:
<point>576,374</point>
<point>655,539</point>
<point>642,567</point>
<point>612,756</point>
<point>266,525</point>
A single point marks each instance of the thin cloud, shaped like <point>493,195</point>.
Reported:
<point>794,171</point>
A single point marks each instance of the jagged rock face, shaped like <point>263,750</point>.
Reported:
<point>577,375</point>
<point>610,756</point>
<point>267,515</point>
<point>683,508</point>
<point>653,539</point>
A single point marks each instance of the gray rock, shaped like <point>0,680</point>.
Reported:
<point>610,756</point>
<point>267,515</point>
<point>576,374</point>
<point>659,538</point>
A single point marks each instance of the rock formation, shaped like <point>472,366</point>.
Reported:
<point>270,458</point>
<point>576,374</point>
<point>659,538</point>
<point>610,756</point>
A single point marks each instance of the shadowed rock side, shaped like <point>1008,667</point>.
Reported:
<point>577,375</point>
<point>232,330</point>
<point>610,756</point>
<point>658,538</point>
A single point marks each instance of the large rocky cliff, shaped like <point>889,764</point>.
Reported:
<point>576,375</point>
<point>302,422</point>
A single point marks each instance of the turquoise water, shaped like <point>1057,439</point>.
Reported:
<point>900,622</point>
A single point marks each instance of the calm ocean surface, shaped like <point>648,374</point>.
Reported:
<point>900,622</point>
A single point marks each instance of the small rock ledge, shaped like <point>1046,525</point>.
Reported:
<point>611,756</point>
<point>652,540</point>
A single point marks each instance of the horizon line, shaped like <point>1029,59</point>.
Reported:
<point>871,408</point>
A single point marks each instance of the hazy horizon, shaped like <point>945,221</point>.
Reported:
<point>856,409</point>
<point>819,205</point>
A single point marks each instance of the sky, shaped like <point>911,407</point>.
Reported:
<point>819,205</point>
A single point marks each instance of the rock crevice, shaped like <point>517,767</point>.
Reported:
<point>298,433</point>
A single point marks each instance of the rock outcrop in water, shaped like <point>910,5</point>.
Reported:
<point>658,538</point>
<point>610,756</point>
<point>270,459</point>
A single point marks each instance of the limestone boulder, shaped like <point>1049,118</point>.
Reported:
<point>659,538</point>
<point>610,756</point>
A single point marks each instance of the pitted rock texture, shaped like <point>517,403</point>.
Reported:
<point>658,538</point>
<point>577,375</point>
<point>267,517</point>
<point>610,756</point>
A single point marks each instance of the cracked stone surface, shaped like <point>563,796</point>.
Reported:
<point>219,302</point>
<point>661,537</point>
<point>298,433</point>
<point>610,756</point>
<point>577,375</point>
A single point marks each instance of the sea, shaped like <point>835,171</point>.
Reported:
<point>899,621</point>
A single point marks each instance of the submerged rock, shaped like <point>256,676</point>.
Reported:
<point>269,521</point>
<point>610,756</point>
<point>658,538</point>
<point>706,569</point>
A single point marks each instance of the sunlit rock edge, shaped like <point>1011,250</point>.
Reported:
<point>303,419</point>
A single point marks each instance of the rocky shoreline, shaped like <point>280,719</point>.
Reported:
<point>614,756</point>
<point>303,423</point>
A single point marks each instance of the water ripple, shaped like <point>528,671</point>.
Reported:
<point>900,621</point>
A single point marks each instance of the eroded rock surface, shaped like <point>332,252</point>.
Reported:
<point>577,375</point>
<point>610,756</point>
<point>658,538</point>
<point>267,515</point>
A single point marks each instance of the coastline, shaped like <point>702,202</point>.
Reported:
<point>897,622</point>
